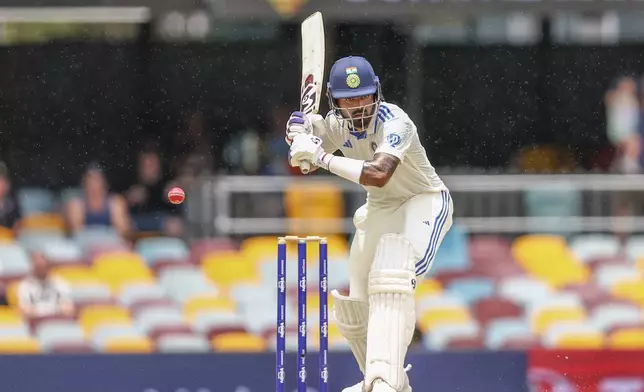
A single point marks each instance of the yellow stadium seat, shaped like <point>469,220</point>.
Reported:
<point>229,268</point>
<point>640,264</point>
<point>15,345</point>
<point>542,319</point>
<point>74,274</point>
<point>12,294</point>
<point>9,316</point>
<point>585,340</point>
<point>548,257</point>
<point>319,205</point>
<point>238,342</point>
<point>428,287</point>
<point>631,290</point>
<point>42,222</point>
<point>6,235</point>
<point>129,345</point>
<point>631,338</point>
<point>121,268</point>
<point>94,316</point>
<point>193,306</point>
<point>452,315</point>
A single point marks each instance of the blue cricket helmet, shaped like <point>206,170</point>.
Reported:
<point>352,77</point>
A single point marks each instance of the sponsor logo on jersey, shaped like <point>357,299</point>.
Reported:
<point>394,140</point>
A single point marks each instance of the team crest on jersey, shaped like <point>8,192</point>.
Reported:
<point>353,80</point>
<point>374,146</point>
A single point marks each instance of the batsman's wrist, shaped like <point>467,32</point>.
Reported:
<point>324,160</point>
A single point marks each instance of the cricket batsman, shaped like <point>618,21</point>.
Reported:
<point>399,228</point>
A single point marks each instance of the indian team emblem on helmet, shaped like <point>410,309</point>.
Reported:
<point>353,80</point>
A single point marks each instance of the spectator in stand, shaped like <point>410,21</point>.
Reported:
<point>147,197</point>
<point>98,207</point>
<point>9,208</point>
<point>622,122</point>
<point>43,295</point>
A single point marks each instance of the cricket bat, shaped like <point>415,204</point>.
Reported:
<point>312,69</point>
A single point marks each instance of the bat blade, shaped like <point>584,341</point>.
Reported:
<point>312,68</point>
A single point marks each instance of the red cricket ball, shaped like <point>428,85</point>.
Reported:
<point>176,195</point>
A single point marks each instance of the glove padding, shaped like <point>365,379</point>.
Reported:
<point>305,148</point>
<point>300,124</point>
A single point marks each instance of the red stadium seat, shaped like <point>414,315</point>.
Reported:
<point>488,309</point>
<point>71,348</point>
<point>200,247</point>
<point>472,343</point>
<point>522,343</point>
<point>156,333</point>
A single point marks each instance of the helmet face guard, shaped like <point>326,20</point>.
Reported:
<point>368,112</point>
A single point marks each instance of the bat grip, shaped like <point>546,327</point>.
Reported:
<point>305,167</point>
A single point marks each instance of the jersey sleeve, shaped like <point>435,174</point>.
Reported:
<point>397,136</point>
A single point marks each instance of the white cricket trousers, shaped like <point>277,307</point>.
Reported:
<point>423,220</point>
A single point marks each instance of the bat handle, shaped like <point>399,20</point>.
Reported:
<point>305,167</point>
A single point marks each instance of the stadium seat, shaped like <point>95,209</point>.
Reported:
<point>610,275</point>
<point>129,345</point>
<point>238,342</point>
<point>486,249</point>
<point>319,205</point>
<point>453,253</point>
<point>260,248</point>
<point>500,331</point>
<point>199,304</point>
<point>39,239</point>
<point>75,274</point>
<point>90,292</point>
<point>24,345</point>
<point>13,330</point>
<point>543,318</point>
<point>433,317</point>
<point>428,287</point>
<point>105,332</point>
<point>166,248</point>
<point>609,315</point>
<point>488,309</point>
<point>212,324</point>
<point>627,339</point>
<point>547,257</point>
<point>183,344</point>
<point>6,235</point>
<point>204,246</point>
<point>441,335</point>
<point>91,317</point>
<point>46,221</point>
<point>121,269</point>
<point>54,333</point>
<point>147,320</point>
<point>14,261</point>
<point>63,251</point>
<point>631,290</point>
<point>10,316</point>
<point>524,290</point>
<point>184,283</point>
<point>593,246</point>
<point>130,294</point>
<point>573,335</point>
<point>471,289</point>
<point>635,247</point>
<point>229,268</point>
<point>98,238</point>
<point>36,201</point>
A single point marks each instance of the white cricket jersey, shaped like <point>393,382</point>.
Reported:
<point>394,133</point>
